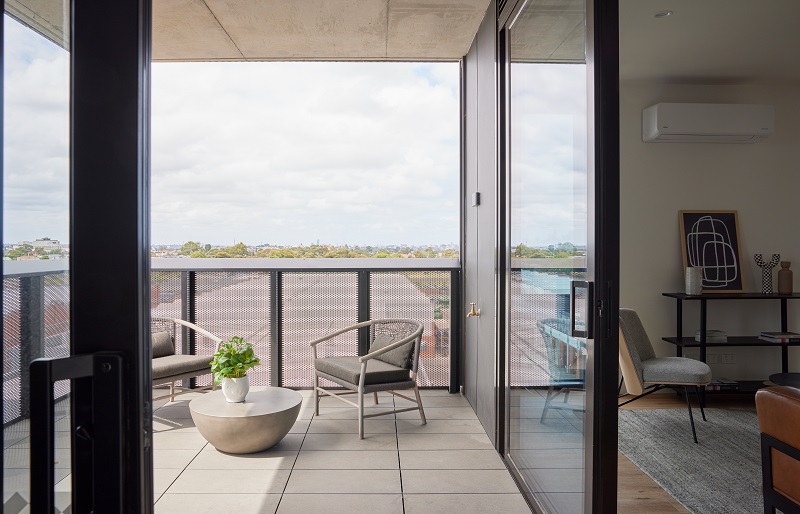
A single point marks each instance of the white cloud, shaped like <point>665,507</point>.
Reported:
<point>36,137</point>
<point>257,152</point>
<point>548,154</point>
<point>294,152</point>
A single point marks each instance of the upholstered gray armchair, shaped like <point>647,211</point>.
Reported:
<point>644,373</point>
<point>390,365</point>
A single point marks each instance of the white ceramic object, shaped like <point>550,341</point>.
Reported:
<point>694,280</point>
<point>235,389</point>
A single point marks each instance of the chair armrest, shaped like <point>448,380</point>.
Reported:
<point>315,342</point>
<point>391,347</point>
<point>203,332</point>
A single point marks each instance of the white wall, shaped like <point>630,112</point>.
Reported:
<point>761,181</point>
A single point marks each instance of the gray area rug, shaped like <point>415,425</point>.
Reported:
<point>720,475</point>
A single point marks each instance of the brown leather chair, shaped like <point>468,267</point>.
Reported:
<point>779,420</point>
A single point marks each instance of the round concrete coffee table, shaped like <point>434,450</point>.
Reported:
<point>260,422</point>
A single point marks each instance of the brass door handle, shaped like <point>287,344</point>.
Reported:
<point>472,311</point>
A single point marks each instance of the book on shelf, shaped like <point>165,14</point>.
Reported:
<point>722,384</point>
<point>779,337</point>
<point>712,336</point>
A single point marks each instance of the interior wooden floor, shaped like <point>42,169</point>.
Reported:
<point>637,492</point>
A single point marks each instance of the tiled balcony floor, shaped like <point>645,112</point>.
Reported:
<point>401,466</point>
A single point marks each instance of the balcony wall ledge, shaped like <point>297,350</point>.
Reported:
<point>321,264</point>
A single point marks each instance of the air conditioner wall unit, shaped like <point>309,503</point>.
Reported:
<point>706,123</point>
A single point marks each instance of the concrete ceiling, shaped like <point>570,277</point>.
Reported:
<point>703,42</point>
<point>549,31</point>
<point>257,30</point>
<point>710,41</point>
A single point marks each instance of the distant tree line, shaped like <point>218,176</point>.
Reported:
<point>27,250</point>
<point>560,250</point>
<point>198,251</point>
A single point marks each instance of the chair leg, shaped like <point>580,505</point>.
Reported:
<point>316,395</point>
<point>700,401</point>
<point>691,417</point>
<point>419,404</point>
<point>172,391</point>
<point>376,397</point>
<point>566,394</point>
<point>547,402</point>
<point>213,384</point>
<point>361,414</point>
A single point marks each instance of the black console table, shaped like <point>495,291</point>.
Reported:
<point>687,342</point>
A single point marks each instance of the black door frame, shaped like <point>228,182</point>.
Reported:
<point>109,215</point>
<point>602,45</point>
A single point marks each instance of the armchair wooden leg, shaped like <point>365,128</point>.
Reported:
<point>172,391</point>
<point>376,397</point>
<point>361,414</point>
<point>419,404</point>
<point>316,395</point>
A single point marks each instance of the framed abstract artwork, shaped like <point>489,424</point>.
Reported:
<point>710,239</point>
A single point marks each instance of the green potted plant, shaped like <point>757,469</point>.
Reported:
<point>230,366</point>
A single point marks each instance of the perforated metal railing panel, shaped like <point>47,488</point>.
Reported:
<point>166,300</point>
<point>45,334</point>
<point>313,304</point>
<point>231,303</point>
<point>316,304</point>
<point>536,295</point>
<point>57,323</point>
<point>422,296</point>
<point>12,391</point>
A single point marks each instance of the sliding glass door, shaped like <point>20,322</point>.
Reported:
<point>555,440</point>
<point>36,285</point>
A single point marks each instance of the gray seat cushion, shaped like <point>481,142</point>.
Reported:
<point>400,357</point>
<point>162,344</point>
<point>178,364</point>
<point>675,370</point>
<point>349,370</point>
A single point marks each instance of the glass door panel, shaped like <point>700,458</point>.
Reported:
<point>36,310</point>
<point>547,137</point>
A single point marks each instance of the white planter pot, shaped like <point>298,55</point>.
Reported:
<point>235,389</point>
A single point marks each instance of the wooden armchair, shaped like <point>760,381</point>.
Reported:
<point>390,365</point>
<point>170,366</point>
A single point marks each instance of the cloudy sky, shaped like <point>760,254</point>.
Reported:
<point>548,154</point>
<point>281,153</point>
<point>290,153</point>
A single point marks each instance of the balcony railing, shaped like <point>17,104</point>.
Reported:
<point>276,304</point>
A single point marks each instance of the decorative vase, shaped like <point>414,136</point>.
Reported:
<point>235,389</point>
<point>766,271</point>
<point>694,280</point>
<point>785,278</point>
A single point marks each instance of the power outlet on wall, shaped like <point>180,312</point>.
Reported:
<point>729,358</point>
<point>711,358</point>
